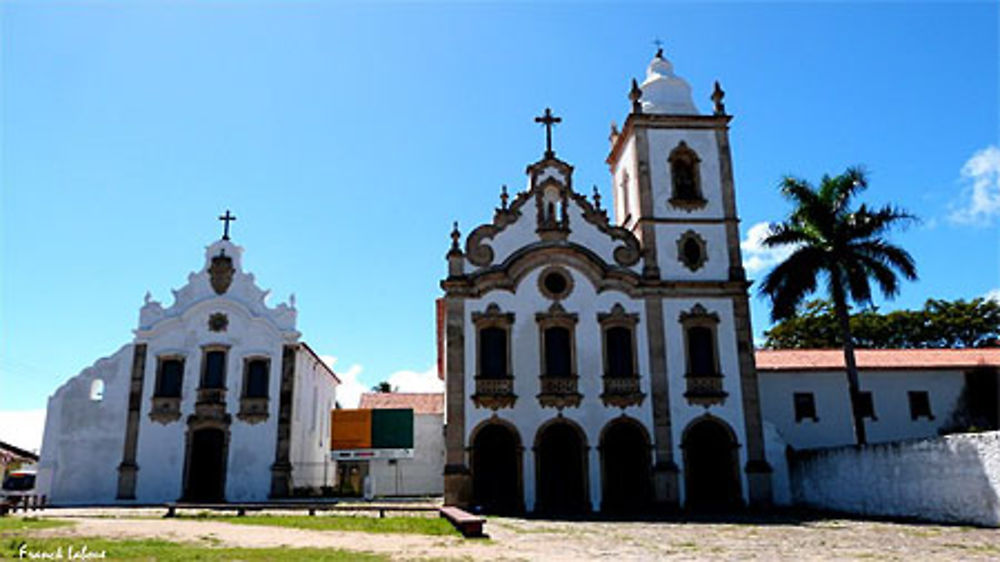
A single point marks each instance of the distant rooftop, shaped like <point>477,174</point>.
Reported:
<point>880,359</point>
<point>421,402</point>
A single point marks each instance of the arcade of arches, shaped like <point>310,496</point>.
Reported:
<point>561,464</point>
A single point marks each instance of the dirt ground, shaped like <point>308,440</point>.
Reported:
<point>789,537</point>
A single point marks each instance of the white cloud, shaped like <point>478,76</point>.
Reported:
<point>980,199</point>
<point>993,295</point>
<point>756,256</point>
<point>23,428</point>
<point>350,388</point>
<point>412,381</point>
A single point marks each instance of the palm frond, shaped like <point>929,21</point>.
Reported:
<point>789,282</point>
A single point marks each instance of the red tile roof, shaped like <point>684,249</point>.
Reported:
<point>880,359</point>
<point>421,402</point>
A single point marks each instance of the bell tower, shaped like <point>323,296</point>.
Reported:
<point>672,180</point>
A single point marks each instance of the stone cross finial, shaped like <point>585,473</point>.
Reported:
<point>226,219</point>
<point>548,120</point>
<point>717,95</point>
<point>635,94</point>
<point>503,197</point>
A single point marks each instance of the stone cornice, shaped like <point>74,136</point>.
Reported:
<point>658,121</point>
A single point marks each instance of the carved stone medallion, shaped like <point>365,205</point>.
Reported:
<point>218,322</point>
<point>221,273</point>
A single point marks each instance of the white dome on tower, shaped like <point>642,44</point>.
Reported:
<point>664,92</point>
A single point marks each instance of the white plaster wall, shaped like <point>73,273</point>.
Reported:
<point>84,439</point>
<point>889,395</point>
<point>775,448</point>
<point>951,479</point>
<point>527,415</point>
<point>312,402</point>
<point>661,143</point>
<point>161,450</point>
<point>681,412</point>
<point>716,268</point>
<point>423,474</point>
<point>625,164</point>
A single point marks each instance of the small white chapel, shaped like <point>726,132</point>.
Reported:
<point>215,399</point>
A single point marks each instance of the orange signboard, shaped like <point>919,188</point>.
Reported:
<point>350,429</point>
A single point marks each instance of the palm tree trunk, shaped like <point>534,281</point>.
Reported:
<point>844,321</point>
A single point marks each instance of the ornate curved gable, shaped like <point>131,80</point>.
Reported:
<point>549,214</point>
<point>223,283</point>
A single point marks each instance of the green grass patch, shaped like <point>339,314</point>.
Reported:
<point>409,525</point>
<point>10,525</point>
<point>171,551</point>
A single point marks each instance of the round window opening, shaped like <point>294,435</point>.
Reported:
<point>555,283</point>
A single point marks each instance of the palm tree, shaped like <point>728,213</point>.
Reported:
<point>846,248</point>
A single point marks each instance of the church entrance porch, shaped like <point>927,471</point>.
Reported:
<point>711,466</point>
<point>496,470</point>
<point>205,477</point>
<point>561,469</point>
<point>625,468</point>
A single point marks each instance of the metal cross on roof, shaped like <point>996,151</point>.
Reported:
<point>548,120</point>
<point>226,218</point>
<point>659,47</point>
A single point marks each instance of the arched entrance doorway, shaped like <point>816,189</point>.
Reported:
<point>496,470</point>
<point>625,467</point>
<point>205,479</point>
<point>561,465</point>
<point>711,466</point>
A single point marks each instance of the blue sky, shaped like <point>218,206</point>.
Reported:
<point>347,137</point>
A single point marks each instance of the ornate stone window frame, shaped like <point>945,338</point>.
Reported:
<point>555,270</point>
<point>558,391</point>
<point>702,389</point>
<point>684,155</point>
<point>620,392</point>
<point>212,395</point>
<point>166,409</point>
<point>682,257</point>
<point>253,409</point>
<point>493,392</point>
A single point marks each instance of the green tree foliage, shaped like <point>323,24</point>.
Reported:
<point>383,386</point>
<point>843,247</point>
<point>940,324</point>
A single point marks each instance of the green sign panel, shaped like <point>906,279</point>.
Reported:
<point>392,429</point>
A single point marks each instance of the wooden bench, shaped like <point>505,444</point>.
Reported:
<point>471,526</point>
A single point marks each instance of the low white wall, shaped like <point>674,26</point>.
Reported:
<point>955,478</point>
<point>423,474</point>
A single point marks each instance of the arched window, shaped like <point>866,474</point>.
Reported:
<point>97,390</point>
<point>558,361</point>
<point>685,178</point>
<point>257,378</point>
<point>168,381</point>
<point>493,353</point>
<point>620,362</point>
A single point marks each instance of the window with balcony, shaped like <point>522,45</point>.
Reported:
<point>558,377</point>
<point>494,380</point>
<point>621,372</point>
<point>704,377</point>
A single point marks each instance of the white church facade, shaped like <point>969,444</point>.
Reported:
<point>600,363</point>
<point>215,399</point>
